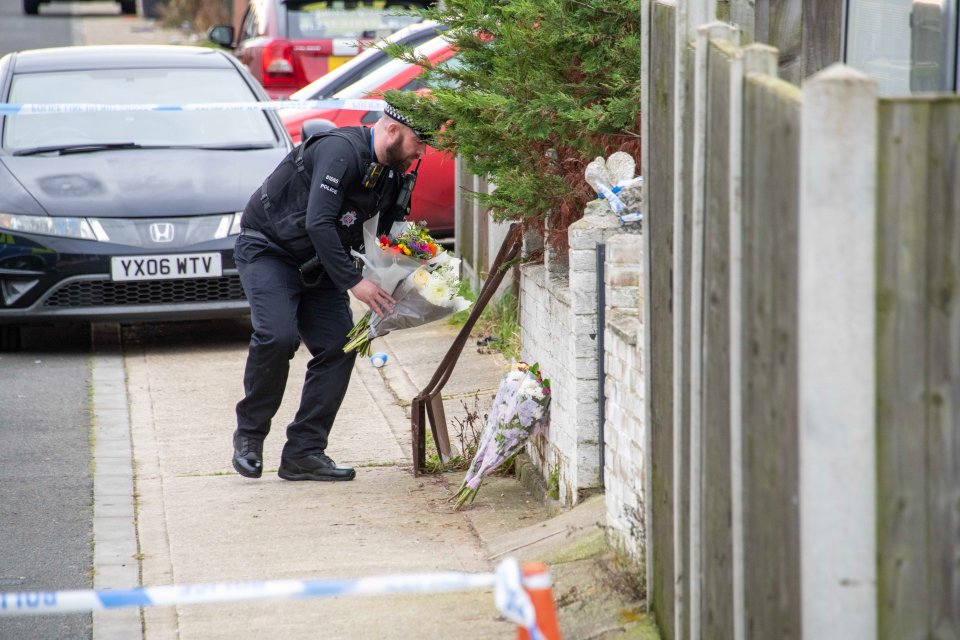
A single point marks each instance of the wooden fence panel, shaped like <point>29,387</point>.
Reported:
<point>743,14</point>
<point>465,221</point>
<point>716,609</point>
<point>481,225</point>
<point>807,32</point>
<point>822,34</point>
<point>771,154</point>
<point>943,368</point>
<point>918,379</point>
<point>659,226</point>
<point>779,23</point>
<point>903,575</point>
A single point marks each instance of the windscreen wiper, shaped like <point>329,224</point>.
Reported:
<point>80,147</point>
<point>235,146</point>
<point>213,146</point>
<point>91,147</point>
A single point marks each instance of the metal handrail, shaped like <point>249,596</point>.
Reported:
<point>428,404</point>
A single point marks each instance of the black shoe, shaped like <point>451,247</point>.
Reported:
<point>247,455</point>
<point>318,466</point>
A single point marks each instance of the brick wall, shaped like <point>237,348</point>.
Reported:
<point>559,330</point>
<point>625,427</point>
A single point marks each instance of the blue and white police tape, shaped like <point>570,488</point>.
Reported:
<point>509,596</point>
<point>606,192</point>
<point>11,109</point>
<point>615,202</point>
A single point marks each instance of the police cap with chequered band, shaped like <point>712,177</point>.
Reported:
<point>395,113</point>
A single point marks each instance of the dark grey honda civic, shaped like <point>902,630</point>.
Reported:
<point>126,213</point>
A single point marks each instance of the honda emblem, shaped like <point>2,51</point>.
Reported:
<point>161,232</point>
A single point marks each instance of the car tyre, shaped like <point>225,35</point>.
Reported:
<point>127,7</point>
<point>31,7</point>
<point>9,338</point>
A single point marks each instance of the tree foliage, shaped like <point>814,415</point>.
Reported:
<point>538,89</point>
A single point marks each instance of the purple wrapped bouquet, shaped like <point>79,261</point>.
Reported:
<point>519,411</point>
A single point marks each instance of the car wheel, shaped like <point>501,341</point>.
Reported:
<point>128,7</point>
<point>31,7</point>
<point>9,338</point>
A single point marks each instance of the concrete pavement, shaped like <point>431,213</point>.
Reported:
<point>197,521</point>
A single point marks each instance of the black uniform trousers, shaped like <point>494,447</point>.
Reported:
<point>283,311</point>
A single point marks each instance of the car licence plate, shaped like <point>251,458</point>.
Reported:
<point>166,267</point>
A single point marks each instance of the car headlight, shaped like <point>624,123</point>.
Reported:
<point>229,226</point>
<point>48,226</point>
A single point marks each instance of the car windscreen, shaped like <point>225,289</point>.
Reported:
<point>338,19</point>
<point>168,87</point>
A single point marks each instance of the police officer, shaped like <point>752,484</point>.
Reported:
<point>293,255</point>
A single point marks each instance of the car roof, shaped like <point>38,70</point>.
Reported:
<point>438,46</point>
<point>118,57</point>
<point>413,33</point>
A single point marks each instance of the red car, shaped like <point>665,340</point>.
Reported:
<point>287,44</point>
<point>367,62</point>
<point>433,195</point>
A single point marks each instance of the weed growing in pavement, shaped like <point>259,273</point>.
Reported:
<point>466,433</point>
<point>498,327</point>
<point>500,324</point>
<point>553,486</point>
<point>623,571</point>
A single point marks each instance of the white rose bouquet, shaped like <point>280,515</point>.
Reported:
<point>426,288</point>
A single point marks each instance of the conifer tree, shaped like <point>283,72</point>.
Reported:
<point>538,89</point>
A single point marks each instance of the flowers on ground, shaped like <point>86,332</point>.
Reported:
<point>520,410</point>
<point>419,274</point>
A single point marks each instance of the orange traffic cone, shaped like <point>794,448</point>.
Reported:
<point>537,584</point>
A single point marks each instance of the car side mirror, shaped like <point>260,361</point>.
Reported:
<point>221,34</point>
<point>315,126</point>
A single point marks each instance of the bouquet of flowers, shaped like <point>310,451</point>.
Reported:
<point>421,276</point>
<point>520,410</point>
<point>411,239</point>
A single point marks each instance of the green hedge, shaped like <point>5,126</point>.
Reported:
<point>539,89</point>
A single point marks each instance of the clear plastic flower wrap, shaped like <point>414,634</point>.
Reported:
<point>519,412</point>
<point>425,288</point>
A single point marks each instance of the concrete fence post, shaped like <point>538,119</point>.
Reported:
<point>837,359</point>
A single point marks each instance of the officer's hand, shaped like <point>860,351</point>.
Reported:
<point>379,301</point>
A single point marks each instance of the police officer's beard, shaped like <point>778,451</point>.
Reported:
<point>395,157</point>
